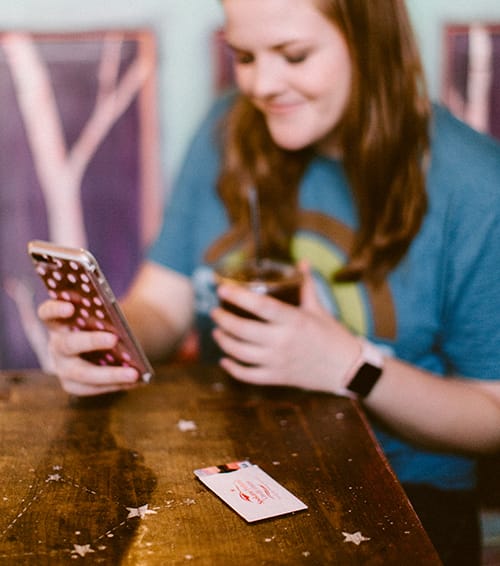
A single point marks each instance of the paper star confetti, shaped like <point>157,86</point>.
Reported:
<point>82,549</point>
<point>357,538</point>
<point>53,477</point>
<point>186,426</point>
<point>140,512</point>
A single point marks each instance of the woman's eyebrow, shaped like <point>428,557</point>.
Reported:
<point>277,47</point>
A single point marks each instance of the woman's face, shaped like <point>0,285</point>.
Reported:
<point>294,65</point>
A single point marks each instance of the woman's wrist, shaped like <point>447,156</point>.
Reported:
<point>364,372</point>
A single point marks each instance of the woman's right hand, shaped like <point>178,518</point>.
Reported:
<point>78,376</point>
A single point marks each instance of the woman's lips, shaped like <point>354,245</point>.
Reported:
<point>278,108</point>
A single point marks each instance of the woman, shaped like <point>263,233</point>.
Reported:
<point>392,208</point>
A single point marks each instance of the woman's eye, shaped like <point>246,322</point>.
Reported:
<point>242,58</point>
<point>296,58</point>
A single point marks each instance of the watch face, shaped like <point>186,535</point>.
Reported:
<point>364,380</point>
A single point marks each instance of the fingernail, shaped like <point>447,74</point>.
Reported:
<point>130,374</point>
<point>110,340</point>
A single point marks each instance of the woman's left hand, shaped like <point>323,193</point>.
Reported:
<point>296,346</point>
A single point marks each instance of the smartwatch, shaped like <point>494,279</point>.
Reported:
<point>366,370</point>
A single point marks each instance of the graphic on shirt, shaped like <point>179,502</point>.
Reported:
<point>325,242</point>
<point>344,300</point>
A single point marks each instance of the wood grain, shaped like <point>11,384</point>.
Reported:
<point>110,480</point>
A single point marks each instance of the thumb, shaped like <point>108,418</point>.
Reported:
<point>308,296</point>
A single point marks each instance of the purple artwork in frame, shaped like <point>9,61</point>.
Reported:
<point>223,63</point>
<point>471,77</point>
<point>78,164</point>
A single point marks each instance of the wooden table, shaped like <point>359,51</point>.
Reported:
<point>110,480</point>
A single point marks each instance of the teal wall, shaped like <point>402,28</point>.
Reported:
<point>183,28</point>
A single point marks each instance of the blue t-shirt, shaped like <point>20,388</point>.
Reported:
<point>438,310</point>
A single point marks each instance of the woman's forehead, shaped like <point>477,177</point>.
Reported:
<point>272,22</point>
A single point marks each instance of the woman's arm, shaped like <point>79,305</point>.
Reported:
<point>452,413</point>
<point>159,308</point>
<point>306,347</point>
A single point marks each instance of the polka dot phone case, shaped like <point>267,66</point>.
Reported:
<point>73,274</point>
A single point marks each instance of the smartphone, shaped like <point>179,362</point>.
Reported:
<point>73,274</point>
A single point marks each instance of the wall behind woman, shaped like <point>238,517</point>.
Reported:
<point>184,29</point>
<point>428,18</point>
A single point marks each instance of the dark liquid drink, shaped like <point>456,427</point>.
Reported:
<point>267,277</point>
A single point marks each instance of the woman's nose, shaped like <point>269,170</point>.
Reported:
<point>265,79</point>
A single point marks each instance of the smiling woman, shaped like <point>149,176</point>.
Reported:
<point>387,203</point>
<point>339,100</point>
<point>285,63</point>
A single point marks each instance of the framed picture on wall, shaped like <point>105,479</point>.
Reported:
<point>471,77</point>
<point>79,164</point>
<point>223,63</point>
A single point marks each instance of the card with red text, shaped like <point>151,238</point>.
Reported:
<point>249,491</point>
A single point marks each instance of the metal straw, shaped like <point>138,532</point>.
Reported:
<point>253,203</point>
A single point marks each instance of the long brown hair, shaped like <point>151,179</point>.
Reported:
<point>383,138</point>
